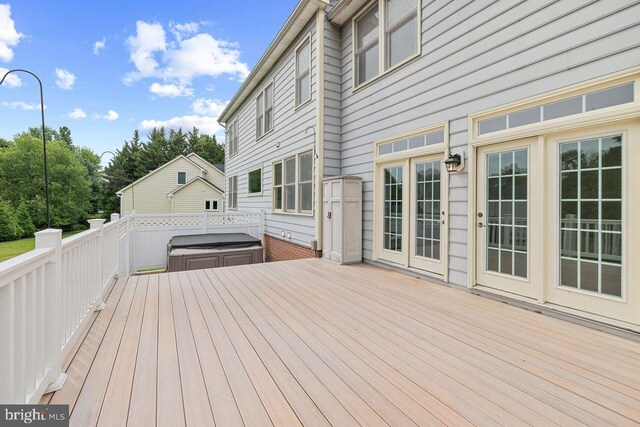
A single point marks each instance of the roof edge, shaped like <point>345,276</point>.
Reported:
<point>269,57</point>
<point>191,181</point>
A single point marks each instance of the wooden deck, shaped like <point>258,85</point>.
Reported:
<point>311,343</point>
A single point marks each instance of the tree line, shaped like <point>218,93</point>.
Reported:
<point>79,187</point>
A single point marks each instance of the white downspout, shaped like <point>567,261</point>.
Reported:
<point>319,211</point>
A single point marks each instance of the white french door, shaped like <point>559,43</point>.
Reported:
<point>413,231</point>
<point>506,194</point>
<point>557,219</point>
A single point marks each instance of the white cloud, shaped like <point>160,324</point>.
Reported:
<point>9,37</point>
<point>187,56</point>
<point>171,90</point>
<point>99,45</point>
<point>12,80</point>
<point>204,117</point>
<point>149,38</point>
<point>207,125</point>
<point>22,105</point>
<point>64,79</point>
<point>77,114</point>
<point>110,116</point>
<point>208,107</point>
<point>184,29</point>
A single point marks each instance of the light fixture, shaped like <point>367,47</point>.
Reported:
<point>455,161</point>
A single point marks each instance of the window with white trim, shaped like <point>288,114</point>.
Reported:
<point>303,72</point>
<point>232,138</point>
<point>582,103</point>
<point>181,178</point>
<point>254,181</point>
<point>210,205</point>
<point>232,191</point>
<point>264,111</point>
<point>293,184</point>
<point>386,34</point>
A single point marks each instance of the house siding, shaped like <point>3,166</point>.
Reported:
<point>213,175</point>
<point>332,100</point>
<point>191,198</point>
<point>477,55</point>
<point>289,131</point>
<point>150,194</point>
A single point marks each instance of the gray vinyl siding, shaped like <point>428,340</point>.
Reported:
<point>332,100</point>
<point>289,129</point>
<point>478,55</point>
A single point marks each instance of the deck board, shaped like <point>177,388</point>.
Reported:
<point>312,343</point>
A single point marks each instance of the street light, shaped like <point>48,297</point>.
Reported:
<point>44,142</point>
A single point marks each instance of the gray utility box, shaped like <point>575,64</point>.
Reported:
<point>342,223</point>
<point>202,251</point>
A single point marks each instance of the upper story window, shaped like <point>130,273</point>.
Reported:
<point>232,191</point>
<point>264,111</point>
<point>303,72</point>
<point>385,35</point>
<point>232,138</point>
<point>181,178</point>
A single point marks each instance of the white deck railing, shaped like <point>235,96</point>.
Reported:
<point>48,295</point>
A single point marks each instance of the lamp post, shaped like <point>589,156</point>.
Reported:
<point>44,141</point>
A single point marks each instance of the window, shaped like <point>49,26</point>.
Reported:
<point>293,184</point>
<point>254,178</point>
<point>264,111</point>
<point>589,101</point>
<point>277,186</point>
<point>303,73</point>
<point>232,191</point>
<point>399,20</point>
<point>305,176</point>
<point>182,178</point>
<point>232,138</point>
<point>210,205</point>
<point>424,140</point>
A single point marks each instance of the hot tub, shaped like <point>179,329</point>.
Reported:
<point>199,251</point>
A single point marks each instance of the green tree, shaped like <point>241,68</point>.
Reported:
<point>205,146</point>
<point>22,178</point>
<point>65,136</point>
<point>24,220</point>
<point>9,227</point>
<point>94,175</point>
<point>4,143</point>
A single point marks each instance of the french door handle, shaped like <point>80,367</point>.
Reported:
<point>480,225</point>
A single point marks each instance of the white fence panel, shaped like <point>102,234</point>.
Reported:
<point>152,233</point>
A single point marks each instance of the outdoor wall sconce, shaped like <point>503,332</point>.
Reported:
<point>455,161</point>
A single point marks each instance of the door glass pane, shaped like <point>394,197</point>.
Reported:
<point>591,215</point>
<point>507,212</point>
<point>427,213</point>
<point>392,224</point>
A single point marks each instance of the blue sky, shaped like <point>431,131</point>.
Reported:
<point>109,67</point>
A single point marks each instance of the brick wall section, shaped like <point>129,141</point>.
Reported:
<point>280,250</point>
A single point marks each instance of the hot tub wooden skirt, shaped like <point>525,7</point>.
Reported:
<point>198,259</point>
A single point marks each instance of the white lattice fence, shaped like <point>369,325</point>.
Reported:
<point>151,233</point>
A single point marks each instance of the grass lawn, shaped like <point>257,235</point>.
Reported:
<point>18,247</point>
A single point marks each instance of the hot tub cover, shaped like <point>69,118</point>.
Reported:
<point>213,241</point>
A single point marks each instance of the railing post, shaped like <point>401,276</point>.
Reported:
<point>131,243</point>
<point>98,224</point>
<point>54,306</point>
<point>116,218</point>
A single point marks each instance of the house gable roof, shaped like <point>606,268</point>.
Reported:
<point>206,162</point>
<point>209,183</point>
<point>159,169</point>
<point>303,12</point>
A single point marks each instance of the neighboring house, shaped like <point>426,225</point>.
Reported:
<point>185,184</point>
<point>541,101</point>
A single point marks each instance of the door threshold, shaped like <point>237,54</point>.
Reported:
<point>610,326</point>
